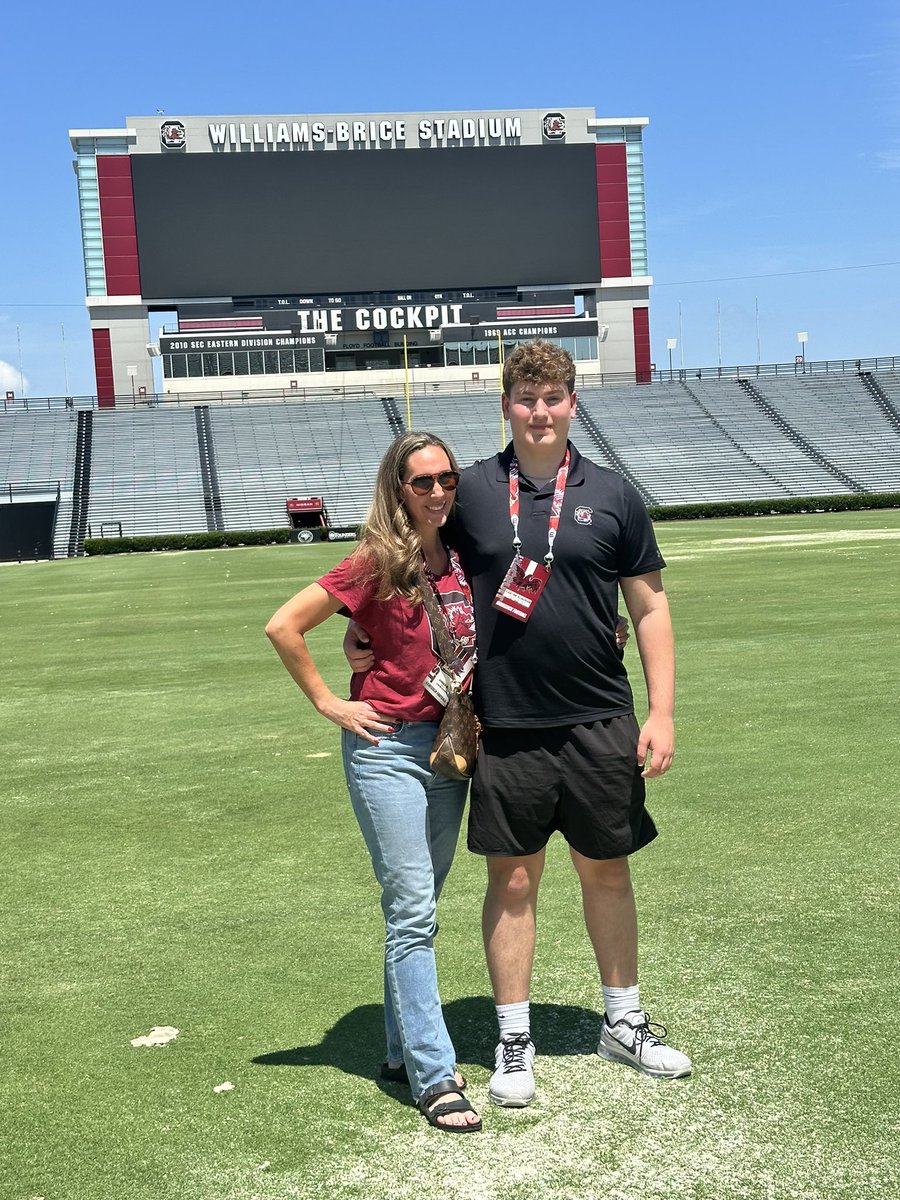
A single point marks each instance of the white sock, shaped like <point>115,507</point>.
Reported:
<point>619,1001</point>
<point>514,1018</point>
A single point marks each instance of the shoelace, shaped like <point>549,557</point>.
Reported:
<point>654,1035</point>
<point>514,1050</point>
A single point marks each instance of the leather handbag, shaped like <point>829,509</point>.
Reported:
<point>456,744</point>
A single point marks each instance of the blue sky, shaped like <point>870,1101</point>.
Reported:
<point>772,155</point>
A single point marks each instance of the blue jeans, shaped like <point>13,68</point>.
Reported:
<point>410,819</point>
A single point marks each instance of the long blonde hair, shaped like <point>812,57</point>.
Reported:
<point>390,549</point>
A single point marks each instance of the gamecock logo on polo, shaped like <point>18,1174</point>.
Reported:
<point>584,516</point>
<point>554,127</point>
<point>172,135</point>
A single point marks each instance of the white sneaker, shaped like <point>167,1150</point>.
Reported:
<point>512,1084</point>
<point>633,1040</point>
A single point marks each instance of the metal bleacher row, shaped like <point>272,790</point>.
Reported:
<point>681,441</point>
<point>145,473</point>
<point>269,452</point>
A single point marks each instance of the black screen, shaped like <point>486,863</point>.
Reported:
<point>362,221</point>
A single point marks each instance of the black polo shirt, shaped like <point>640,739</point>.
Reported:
<point>561,667</point>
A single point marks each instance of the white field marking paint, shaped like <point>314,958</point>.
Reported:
<point>777,540</point>
<point>321,754</point>
<point>597,1131</point>
<point>829,535</point>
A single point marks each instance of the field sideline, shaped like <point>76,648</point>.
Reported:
<point>178,850</point>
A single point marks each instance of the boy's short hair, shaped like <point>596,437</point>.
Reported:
<point>539,362</point>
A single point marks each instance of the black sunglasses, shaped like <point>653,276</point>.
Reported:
<point>423,485</point>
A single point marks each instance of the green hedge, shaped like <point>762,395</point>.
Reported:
<point>658,512</point>
<point>186,541</point>
<point>766,508</point>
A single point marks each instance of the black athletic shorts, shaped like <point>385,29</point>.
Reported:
<point>583,780</point>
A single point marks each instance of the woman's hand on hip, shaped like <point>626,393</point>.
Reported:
<point>358,716</point>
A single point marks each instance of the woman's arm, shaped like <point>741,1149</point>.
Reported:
<point>286,631</point>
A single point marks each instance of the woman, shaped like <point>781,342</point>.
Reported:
<point>409,816</point>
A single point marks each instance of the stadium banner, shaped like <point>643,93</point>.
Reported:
<point>408,318</point>
<point>525,330</point>
<point>257,340</point>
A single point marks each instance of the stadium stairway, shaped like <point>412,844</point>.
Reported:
<point>81,483</point>
<point>885,391</point>
<point>212,497</point>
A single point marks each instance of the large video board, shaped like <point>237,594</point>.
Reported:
<point>219,225</point>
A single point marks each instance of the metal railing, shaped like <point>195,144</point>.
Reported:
<point>20,490</point>
<point>489,385</point>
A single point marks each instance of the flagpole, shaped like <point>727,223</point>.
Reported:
<point>500,366</point>
<point>406,384</point>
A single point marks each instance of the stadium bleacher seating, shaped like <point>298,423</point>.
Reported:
<point>678,451</point>
<point>195,467</point>
<point>841,421</point>
<point>269,452</point>
<point>145,472</point>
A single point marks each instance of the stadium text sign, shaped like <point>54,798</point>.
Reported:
<point>585,327</point>
<point>237,341</point>
<point>367,135</point>
<point>362,320</point>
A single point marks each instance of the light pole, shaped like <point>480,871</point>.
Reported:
<point>21,372</point>
<point>671,343</point>
<point>65,363</point>
<point>803,338</point>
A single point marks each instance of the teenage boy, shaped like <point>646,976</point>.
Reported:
<point>548,538</point>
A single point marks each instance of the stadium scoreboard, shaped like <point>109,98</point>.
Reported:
<point>321,246</point>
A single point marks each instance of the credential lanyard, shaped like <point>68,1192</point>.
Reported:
<point>555,509</point>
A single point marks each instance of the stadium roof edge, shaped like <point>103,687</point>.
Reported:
<point>130,134</point>
<point>607,122</point>
<point>626,281</point>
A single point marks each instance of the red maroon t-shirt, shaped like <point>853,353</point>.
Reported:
<point>402,641</point>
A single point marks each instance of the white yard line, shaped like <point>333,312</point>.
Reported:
<point>777,540</point>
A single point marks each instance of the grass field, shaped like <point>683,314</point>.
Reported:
<point>178,850</point>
